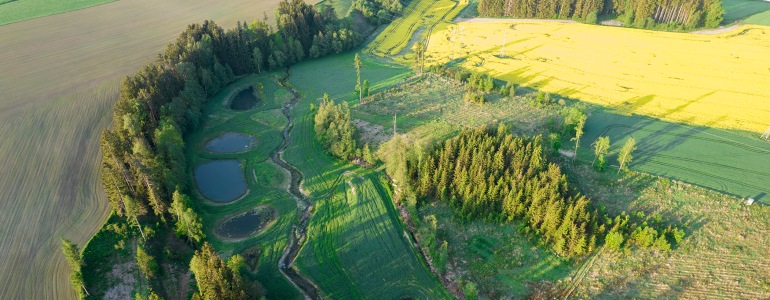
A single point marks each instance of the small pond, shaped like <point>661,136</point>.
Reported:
<point>220,180</point>
<point>244,100</point>
<point>247,224</point>
<point>231,142</point>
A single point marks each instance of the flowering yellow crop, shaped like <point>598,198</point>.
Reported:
<point>718,80</point>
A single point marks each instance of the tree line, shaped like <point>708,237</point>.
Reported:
<point>143,166</point>
<point>637,13</point>
<point>489,173</point>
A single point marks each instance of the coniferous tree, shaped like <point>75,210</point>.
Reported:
<point>214,278</point>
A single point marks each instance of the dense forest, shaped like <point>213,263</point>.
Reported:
<point>636,13</point>
<point>491,174</point>
<point>144,166</point>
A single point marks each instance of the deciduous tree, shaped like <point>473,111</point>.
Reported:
<point>625,156</point>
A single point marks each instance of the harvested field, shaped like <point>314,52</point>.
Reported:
<point>61,75</point>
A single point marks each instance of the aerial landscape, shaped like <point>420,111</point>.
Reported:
<point>385,149</point>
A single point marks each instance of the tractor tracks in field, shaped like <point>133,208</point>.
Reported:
<point>298,234</point>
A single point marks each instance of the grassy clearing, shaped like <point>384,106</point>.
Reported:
<point>503,262</point>
<point>66,71</point>
<point>725,161</point>
<point>357,247</point>
<point>739,10</point>
<point>420,16</point>
<point>422,101</point>
<point>660,74</point>
<point>12,11</point>
<point>266,181</point>
<point>724,254</point>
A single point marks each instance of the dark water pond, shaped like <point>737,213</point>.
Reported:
<point>220,180</point>
<point>247,224</point>
<point>244,100</point>
<point>231,142</point>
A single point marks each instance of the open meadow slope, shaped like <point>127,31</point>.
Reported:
<point>746,11</point>
<point>711,80</point>
<point>60,76</point>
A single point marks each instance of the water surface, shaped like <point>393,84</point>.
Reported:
<point>220,180</point>
<point>231,142</point>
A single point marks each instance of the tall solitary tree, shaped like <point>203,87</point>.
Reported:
<point>419,54</point>
<point>600,149</point>
<point>625,156</point>
<point>578,134</point>
<point>358,65</point>
<point>256,57</point>
<point>72,254</point>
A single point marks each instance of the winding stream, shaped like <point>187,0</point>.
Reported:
<point>298,234</point>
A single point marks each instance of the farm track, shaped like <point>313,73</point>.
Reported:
<point>299,232</point>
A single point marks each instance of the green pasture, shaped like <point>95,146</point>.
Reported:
<point>746,11</point>
<point>266,181</point>
<point>12,11</point>
<point>762,18</point>
<point>358,249</point>
<point>727,161</point>
<point>336,75</point>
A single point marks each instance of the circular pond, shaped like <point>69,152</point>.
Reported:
<point>246,224</point>
<point>220,180</point>
<point>231,142</point>
<point>244,100</point>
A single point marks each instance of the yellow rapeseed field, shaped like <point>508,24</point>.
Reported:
<point>720,80</point>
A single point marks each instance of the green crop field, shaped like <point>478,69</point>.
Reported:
<point>726,161</point>
<point>266,181</point>
<point>358,249</point>
<point>16,11</point>
<point>759,19</point>
<point>61,75</point>
<point>748,11</point>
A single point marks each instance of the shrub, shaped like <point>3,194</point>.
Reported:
<point>614,240</point>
